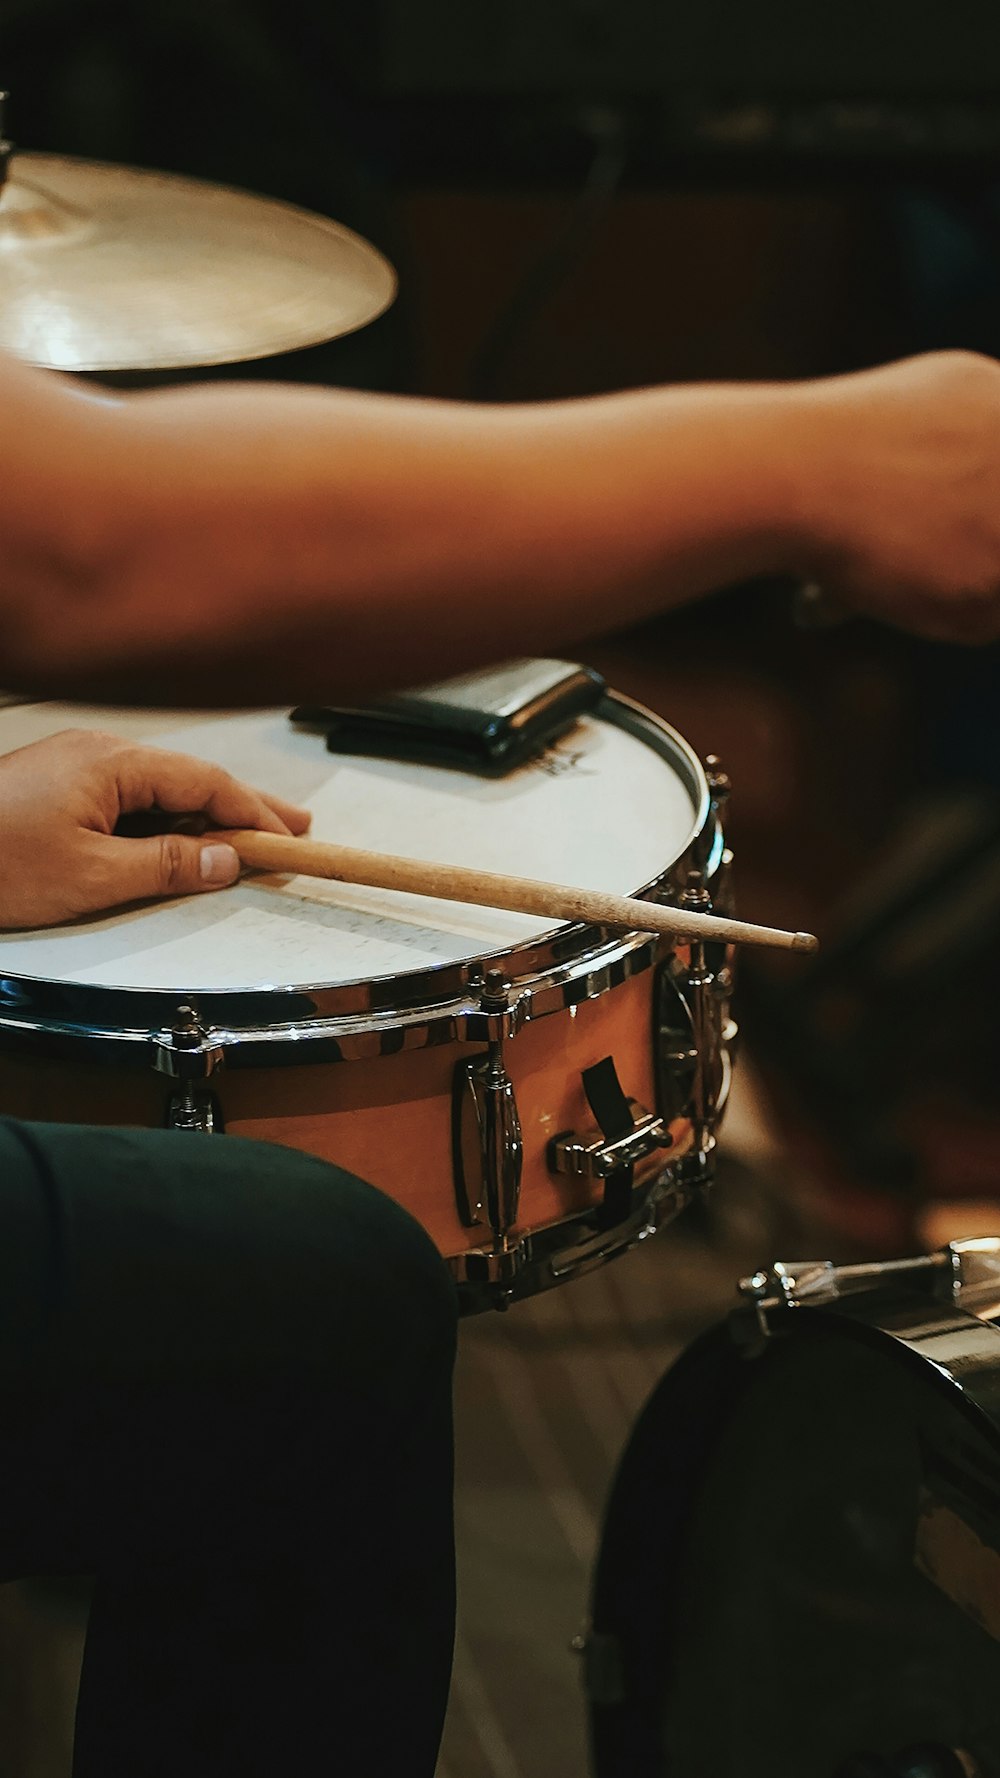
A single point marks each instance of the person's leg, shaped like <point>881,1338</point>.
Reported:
<point>226,1391</point>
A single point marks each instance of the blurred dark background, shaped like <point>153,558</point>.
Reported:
<point>583,195</point>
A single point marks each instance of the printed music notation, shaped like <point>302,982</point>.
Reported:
<point>271,932</point>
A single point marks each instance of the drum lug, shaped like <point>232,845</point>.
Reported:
<point>486,1129</point>
<point>719,782</point>
<point>675,1054</point>
<point>703,1005</point>
<point>711,849</point>
<point>186,1050</point>
<point>191,1110</point>
<point>694,1030</point>
<point>694,1173</point>
<point>491,1276</point>
<point>497,1016</point>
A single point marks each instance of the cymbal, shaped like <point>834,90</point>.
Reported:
<point>108,268</point>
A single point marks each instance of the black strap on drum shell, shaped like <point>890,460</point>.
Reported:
<point>613,1112</point>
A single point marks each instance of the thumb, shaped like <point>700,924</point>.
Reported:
<point>171,864</point>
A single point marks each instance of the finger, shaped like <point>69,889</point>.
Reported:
<point>179,783</point>
<point>295,819</point>
<point>166,864</point>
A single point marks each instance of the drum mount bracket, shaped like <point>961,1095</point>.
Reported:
<point>188,1053</point>
<point>788,1285</point>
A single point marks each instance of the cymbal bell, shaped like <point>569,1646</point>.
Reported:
<point>109,268</point>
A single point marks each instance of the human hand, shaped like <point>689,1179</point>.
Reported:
<point>60,800</point>
<point>902,509</point>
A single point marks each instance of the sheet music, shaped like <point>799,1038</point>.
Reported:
<point>600,809</point>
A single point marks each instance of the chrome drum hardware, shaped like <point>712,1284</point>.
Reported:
<point>442,1053</point>
<point>188,1053</point>
<point>488,1148</point>
<point>595,1156</point>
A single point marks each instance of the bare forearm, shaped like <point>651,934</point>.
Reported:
<point>282,542</point>
<point>262,542</point>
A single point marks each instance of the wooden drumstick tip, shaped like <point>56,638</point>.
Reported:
<point>805,941</point>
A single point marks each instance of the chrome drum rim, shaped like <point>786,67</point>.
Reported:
<point>320,1022</point>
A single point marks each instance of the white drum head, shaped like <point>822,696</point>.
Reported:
<point>611,806</point>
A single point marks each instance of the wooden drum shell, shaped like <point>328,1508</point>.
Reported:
<point>388,1118</point>
<point>384,988</point>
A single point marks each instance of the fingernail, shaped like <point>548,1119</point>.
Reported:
<point>219,864</point>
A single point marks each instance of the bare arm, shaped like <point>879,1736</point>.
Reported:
<point>263,542</point>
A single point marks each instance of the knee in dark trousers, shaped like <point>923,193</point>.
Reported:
<point>227,1394</point>
<point>158,1253</point>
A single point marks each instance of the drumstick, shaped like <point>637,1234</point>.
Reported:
<point>454,882</point>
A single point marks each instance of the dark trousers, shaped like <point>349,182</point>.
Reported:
<point>225,1391</point>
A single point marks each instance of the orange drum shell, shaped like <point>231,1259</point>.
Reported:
<point>388,1118</point>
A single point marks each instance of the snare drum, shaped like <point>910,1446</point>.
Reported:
<point>800,1569</point>
<point>538,1097</point>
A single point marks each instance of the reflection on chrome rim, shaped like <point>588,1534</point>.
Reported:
<point>387,1013</point>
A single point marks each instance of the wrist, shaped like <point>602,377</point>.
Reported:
<point>795,448</point>
<point>834,470</point>
<point>758,474</point>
